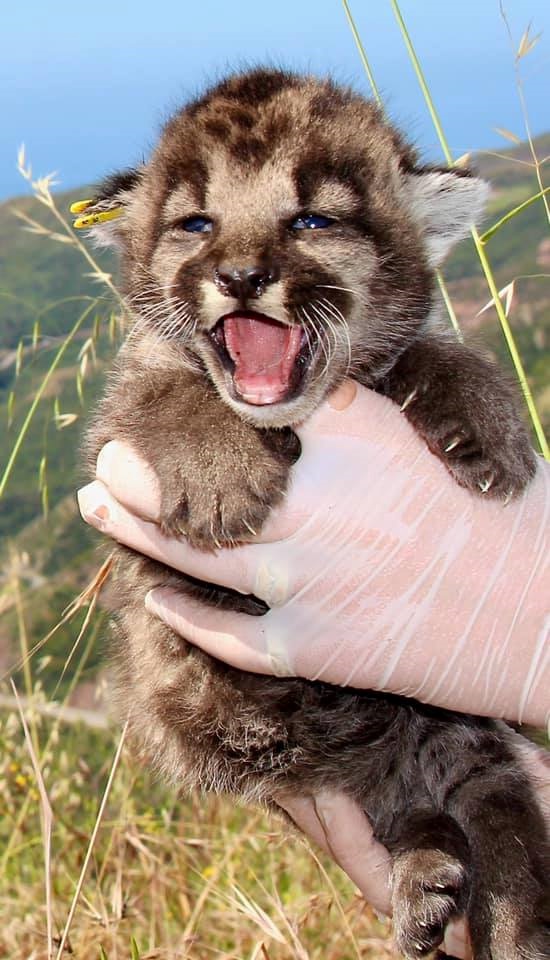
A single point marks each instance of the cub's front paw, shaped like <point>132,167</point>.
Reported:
<point>429,887</point>
<point>484,446</point>
<point>223,494</point>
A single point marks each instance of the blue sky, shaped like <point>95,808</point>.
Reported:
<point>87,86</point>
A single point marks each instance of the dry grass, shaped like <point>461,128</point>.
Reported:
<point>191,878</point>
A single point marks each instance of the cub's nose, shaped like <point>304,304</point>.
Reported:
<point>246,282</point>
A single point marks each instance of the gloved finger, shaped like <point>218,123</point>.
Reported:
<point>355,411</point>
<point>230,568</point>
<point>133,483</point>
<point>346,413</point>
<point>130,479</point>
<point>242,641</point>
<point>456,942</point>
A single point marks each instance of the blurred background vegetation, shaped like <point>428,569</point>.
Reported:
<point>188,877</point>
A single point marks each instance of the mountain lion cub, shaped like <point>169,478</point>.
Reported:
<point>282,237</point>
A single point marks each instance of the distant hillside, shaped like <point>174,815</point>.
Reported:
<point>57,555</point>
<point>36,273</point>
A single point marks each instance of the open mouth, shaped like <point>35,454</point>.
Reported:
<point>265,359</point>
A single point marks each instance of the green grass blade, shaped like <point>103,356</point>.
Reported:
<point>362,54</point>
<point>512,213</point>
<point>376,94</point>
<point>489,276</point>
<point>38,396</point>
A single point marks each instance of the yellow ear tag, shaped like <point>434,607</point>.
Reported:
<point>93,218</point>
<point>79,206</point>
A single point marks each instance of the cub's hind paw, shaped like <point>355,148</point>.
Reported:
<point>428,889</point>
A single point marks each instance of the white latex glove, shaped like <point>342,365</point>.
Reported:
<point>373,523</point>
<point>379,570</point>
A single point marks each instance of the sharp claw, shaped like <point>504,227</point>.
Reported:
<point>454,443</point>
<point>485,485</point>
<point>409,399</point>
<point>507,498</point>
<point>248,527</point>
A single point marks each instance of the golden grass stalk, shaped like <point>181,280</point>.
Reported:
<point>39,393</point>
<point>376,93</point>
<point>479,245</point>
<point>91,844</point>
<point>46,823</point>
<point>478,240</point>
<point>86,598</point>
<point>526,45</point>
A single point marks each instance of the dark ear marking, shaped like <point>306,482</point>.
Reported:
<point>116,184</point>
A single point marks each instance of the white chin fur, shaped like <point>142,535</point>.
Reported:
<point>279,414</point>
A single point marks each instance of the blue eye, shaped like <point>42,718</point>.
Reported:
<point>196,225</point>
<point>311,221</point>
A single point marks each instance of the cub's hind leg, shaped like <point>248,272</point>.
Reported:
<point>489,795</point>
<point>430,881</point>
<point>509,908</point>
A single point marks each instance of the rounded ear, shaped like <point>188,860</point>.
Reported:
<point>446,204</point>
<point>104,215</point>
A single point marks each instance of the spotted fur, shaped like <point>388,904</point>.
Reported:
<point>445,792</point>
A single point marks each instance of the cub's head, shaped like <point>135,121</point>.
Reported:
<point>284,235</point>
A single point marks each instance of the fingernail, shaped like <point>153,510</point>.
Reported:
<point>343,396</point>
<point>92,504</point>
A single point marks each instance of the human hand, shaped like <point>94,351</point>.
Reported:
<point>125,504</point>
<point>379,570</point>
<point>337,825</point>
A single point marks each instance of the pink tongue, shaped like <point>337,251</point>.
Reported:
<point>264,353</point>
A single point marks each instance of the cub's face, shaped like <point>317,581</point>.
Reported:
<point>284,237</point>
